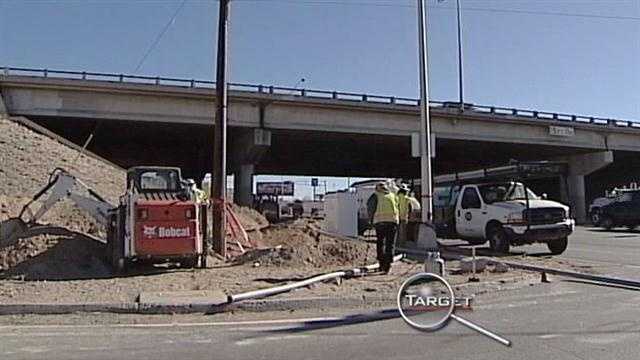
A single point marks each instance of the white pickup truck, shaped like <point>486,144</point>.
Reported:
<point>503,213</point>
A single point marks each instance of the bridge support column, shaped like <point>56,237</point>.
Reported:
<point>3,108</point>
<point>243,185</point>
<point>581,165</point>
<point>248,148</point>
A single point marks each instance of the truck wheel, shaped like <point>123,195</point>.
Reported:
<point>118,261</point>
<point>558,246</point>
<point>595,217</point>
<point>476,241</point>
<point>498,240</point>
<point>606,222</point>
<point>189,262</point>
<point>120,265</point>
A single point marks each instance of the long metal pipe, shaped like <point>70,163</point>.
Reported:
<point>552,271</point>
<point>573,274</point>
<point>425,123</point>
<point>256,294</point>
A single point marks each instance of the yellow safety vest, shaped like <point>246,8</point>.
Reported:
<point>387,209</point>
<point>200,195</point>
<point>403,207</point>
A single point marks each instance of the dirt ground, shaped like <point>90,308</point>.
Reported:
<point>70,268</point>
<point>227,277</point>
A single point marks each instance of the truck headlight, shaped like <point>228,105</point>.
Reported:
<point>515,218</point>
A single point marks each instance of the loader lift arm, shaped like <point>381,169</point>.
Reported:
<point>62,185</point>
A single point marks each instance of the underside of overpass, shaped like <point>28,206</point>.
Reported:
<point>292,152</point>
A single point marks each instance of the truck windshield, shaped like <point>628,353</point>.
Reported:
<point>504,192</point>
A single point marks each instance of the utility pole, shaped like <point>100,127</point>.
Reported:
<point>219,183</point>
<point>425,123</point>
<point>460,75</point>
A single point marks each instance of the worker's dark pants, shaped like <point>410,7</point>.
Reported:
<point>402,232</point>
<point>386,242</point>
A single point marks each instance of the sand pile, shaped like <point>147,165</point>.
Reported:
<point>302,246</point>
<point>250,218</point>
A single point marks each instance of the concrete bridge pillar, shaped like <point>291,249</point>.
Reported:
<point>581,165</point>
<point>243,185</point>
<point>248,148</point>
<point>3,108</point>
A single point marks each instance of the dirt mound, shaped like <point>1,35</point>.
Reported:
<point>250,218</point>
<point>47,257</point>
<point>297,246</point>
<point>28,158</point>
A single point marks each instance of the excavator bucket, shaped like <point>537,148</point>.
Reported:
<point>11,230</point>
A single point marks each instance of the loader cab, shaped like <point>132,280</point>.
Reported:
<point>146,179</point>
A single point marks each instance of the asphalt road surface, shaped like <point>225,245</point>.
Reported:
<point>564,319</point>
<point>615,252</point>
<point>616,247</point>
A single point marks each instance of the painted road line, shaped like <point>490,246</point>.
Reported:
<point>255,341</point>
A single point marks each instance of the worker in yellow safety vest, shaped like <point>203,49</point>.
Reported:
<point>384,215</point>
<point>198,195</point>
<point>404,209</point>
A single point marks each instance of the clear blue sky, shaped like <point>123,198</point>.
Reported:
<point>536,55</point>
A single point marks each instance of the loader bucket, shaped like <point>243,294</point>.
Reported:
<point>11,230</point>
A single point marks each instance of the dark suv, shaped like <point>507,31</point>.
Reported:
<point>623,211</point>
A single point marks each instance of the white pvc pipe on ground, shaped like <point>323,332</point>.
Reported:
<point>256,294</point>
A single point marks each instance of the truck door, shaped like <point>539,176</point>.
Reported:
<point>469,214</point>
<point>622,208</point>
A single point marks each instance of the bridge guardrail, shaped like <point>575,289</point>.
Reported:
<point>317,94</point>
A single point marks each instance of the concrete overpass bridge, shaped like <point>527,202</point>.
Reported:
<point>275,130</point>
